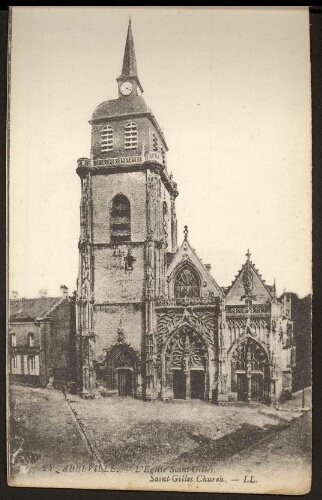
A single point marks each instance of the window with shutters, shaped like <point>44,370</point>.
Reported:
<point>120,224</point>
<point>131,136</point>
<point>14,364</point>
<point>107,139</point>
<point>32,366</point>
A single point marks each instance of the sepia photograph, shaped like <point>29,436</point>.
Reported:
<point>160,249</point>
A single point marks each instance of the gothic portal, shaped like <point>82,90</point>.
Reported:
<point>152,322</point>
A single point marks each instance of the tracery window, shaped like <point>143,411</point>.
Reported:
<point>107,139</point>
<point>186,284</point>
<point>131,136</point>
<point>120,225</point>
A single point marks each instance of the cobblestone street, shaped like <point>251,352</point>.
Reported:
<point>43,432</point>
<point>127,433</point>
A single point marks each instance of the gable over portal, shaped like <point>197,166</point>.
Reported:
<point>187,273</point>
<point>248,284</point>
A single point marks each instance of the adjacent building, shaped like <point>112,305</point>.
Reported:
<point>41,333</point>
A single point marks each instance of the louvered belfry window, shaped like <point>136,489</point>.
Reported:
<point>131,136</point>
<point>107,139</point>
<point>120,219</point>
<point>186,284</point>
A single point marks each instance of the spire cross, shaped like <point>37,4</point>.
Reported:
<point>248,254</point>
<point>185,232</point>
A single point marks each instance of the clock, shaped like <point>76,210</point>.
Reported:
<point>126,88</point>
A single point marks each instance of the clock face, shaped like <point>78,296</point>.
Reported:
<point>126,88</point>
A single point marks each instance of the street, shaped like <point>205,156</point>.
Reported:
<point>125,434</point>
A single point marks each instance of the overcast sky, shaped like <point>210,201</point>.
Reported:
<point>231,91</point>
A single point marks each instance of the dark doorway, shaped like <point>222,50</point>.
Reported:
<point>257,387</point>
<point>242,387</point>
<point>197,384</point>
<point>179,384</point>
<point>125,382</point>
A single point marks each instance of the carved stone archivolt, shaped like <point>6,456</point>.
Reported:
<point>120,355</point>
<point>202,322</point>
<point>249,353</point>
<point>187,350</point>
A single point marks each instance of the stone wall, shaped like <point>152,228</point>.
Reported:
<point>107,321</point>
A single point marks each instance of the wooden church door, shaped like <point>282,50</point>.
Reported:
<point>125,382</point>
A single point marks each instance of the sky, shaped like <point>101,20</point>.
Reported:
<point>230,88</point>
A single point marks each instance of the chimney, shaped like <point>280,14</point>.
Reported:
<point>63,291</point>
<point>14,295</point>
<point>43,292</point>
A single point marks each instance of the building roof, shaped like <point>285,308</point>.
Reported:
<point>133,105</point>
<point>129,67</point>
<point>257,286</point>
<point>30,309</point>
<point>130,107</point>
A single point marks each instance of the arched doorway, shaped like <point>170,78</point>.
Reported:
<point>185,365</point>
<point>250,371</point>
<point>122,367</point>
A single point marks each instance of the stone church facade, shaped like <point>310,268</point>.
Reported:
<point>151,321</point>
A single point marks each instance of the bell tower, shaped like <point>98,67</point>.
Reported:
<point>128,231</point>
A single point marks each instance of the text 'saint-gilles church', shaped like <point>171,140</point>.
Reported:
<point>151,321</point>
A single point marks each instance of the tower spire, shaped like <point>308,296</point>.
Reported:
<point>129,67</point>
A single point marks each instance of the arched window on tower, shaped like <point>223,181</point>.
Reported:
<point>120,224</point>
<point>187,283</point>
<point>131,136</point>
<point>107,139</point>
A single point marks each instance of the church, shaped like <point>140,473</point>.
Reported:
<point>151,320</point>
